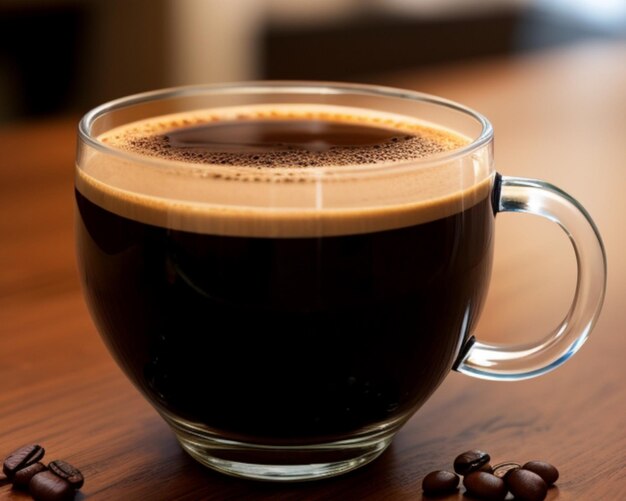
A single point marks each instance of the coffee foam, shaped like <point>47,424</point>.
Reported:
<point>411,141</point>
<point>288,199</point>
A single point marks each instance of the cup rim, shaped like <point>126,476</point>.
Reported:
<point>295,87</point>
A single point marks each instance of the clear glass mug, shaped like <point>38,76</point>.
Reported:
<point>287,322</point>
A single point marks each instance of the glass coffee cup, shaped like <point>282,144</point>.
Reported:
<point>288,270</point>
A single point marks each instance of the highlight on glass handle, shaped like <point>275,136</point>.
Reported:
<point>515,362</point>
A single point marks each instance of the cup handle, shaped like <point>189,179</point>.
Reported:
<point>506,362</point>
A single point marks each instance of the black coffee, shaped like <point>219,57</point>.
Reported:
<point>276,333</point>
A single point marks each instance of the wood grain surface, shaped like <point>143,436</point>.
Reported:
<point>558,115</point>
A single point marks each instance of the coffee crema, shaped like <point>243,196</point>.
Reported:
<point>283,138</point>
<point>257,170</point>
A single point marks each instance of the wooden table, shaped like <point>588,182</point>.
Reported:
<point>559,115</point>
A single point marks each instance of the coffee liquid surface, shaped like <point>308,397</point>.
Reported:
<point>256,171</point>
<point>271,140</point>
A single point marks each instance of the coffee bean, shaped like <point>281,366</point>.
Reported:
<point>22,477</point>
<point>440,482</point>
<point>501,469</point>
<point>47,486</point>
<point>526,485</point>
<point>470,461</point>
<point>67,472</point>
<point>21,458</point>
<point>486,468</point>
<point>485,486</point>
<point>545,470</point>
<point>4,479</point>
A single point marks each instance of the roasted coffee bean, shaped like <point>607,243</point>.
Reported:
<point>4,479</point>
<point>440,482</point>
<point>501,469</point>
<point>22,477</point>
<point>21,458</point>
<point>68,472</point>
<point>486,468</point>
<point>485,486</point>
<point>526,485</point>
<point>470,461</point>
<point>46,486</point>
<point>545,470</point>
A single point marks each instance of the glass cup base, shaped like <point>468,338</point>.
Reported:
<point>280,463</point>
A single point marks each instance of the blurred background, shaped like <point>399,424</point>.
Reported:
<point>65,56</point>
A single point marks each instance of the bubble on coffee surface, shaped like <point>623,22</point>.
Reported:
<point>282,138</point>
